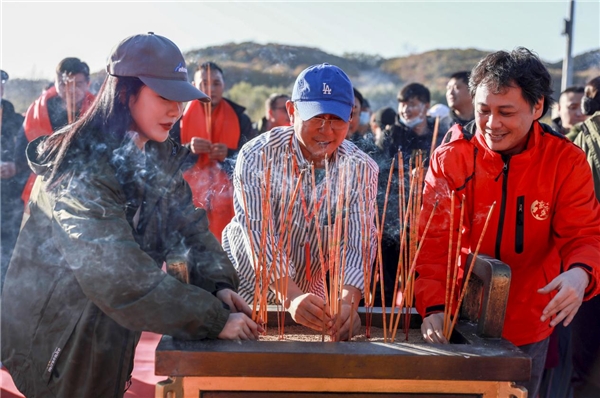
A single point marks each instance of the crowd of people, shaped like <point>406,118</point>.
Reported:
<point>100,193</point>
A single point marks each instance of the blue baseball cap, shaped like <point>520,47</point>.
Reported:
<point>321,89</point>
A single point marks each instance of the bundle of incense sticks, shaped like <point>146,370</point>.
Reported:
<point>70,97</point>
<point>298,189</point>
<point>208,105</point>
<point>450,317</point>
<point>410,241</point>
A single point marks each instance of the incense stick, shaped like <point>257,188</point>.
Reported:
<point>472,265</point>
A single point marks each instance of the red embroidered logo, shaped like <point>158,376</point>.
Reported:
<point>540,210</point>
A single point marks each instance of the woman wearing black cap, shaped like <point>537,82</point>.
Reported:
<point>108,208</point>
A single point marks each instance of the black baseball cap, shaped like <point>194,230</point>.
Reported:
<point>158,63</point>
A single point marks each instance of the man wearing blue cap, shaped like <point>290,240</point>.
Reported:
<point>300,247</point>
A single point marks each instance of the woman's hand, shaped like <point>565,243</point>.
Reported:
<point>239,327</point>
<point>235,302</point>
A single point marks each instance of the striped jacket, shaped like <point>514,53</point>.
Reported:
<point>279,151</point>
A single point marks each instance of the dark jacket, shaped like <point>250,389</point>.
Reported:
<point>11,124</point>
<point>403,138</point>
<point>11,205</point>
<point>557,125</point>
<point>84,283</point>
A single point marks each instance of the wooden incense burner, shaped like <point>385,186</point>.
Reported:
<point>477,363</point>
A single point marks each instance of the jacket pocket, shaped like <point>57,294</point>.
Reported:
<point>58,321</point>
<point>520,224</point>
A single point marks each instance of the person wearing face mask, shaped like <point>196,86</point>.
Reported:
<point>364,140</point>
<point>413,130</point>
<point>365,117</point>
<point>353,133</point>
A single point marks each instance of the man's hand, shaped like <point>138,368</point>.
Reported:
<point>571,287</point>
<point>239,327</point>
<point>218,152</point>
<point>433,328</point>
<point>344,320</point>
<point>308,310</point>
<point>7,170</point>
<point>200,145</point>
<point>235,302</point>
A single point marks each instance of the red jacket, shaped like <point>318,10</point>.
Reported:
<point>545,213</point>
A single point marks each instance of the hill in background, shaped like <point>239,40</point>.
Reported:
<point>252,71</point>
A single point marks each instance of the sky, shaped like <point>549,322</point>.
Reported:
<point>35,36</point>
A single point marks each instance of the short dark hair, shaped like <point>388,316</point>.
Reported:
<point>462,75</point>
<point>572,89</point>
<point>272,100</point>
<point>384,117</point>
<point>414,90</point>
<point>519,68</point>
<point>212,66</point>
<point>359,96</point>
<point>73,66</point>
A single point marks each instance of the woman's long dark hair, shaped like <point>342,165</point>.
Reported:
<point>107,121</point>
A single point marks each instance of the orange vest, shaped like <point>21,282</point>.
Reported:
<point>37,123</point>
<point>211,187</point>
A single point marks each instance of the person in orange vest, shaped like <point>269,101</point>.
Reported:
<point>214,132</point>
<point>57,107</point>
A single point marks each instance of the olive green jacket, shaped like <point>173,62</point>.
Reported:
<point>586,135</point>
<point>84,283</point>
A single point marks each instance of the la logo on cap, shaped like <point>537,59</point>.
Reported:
<point>326,89</point>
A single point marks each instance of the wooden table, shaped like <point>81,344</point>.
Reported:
<point>473,366</point>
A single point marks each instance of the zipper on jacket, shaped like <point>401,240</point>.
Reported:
<point>520,224</point>
<point>502,205</point>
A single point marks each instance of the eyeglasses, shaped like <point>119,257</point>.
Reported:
<point>318,123</point>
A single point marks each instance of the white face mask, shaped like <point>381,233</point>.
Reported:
<point>364,118</point>
<point>411,122</point>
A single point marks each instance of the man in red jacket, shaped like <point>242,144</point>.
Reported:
<point>546,213</point>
